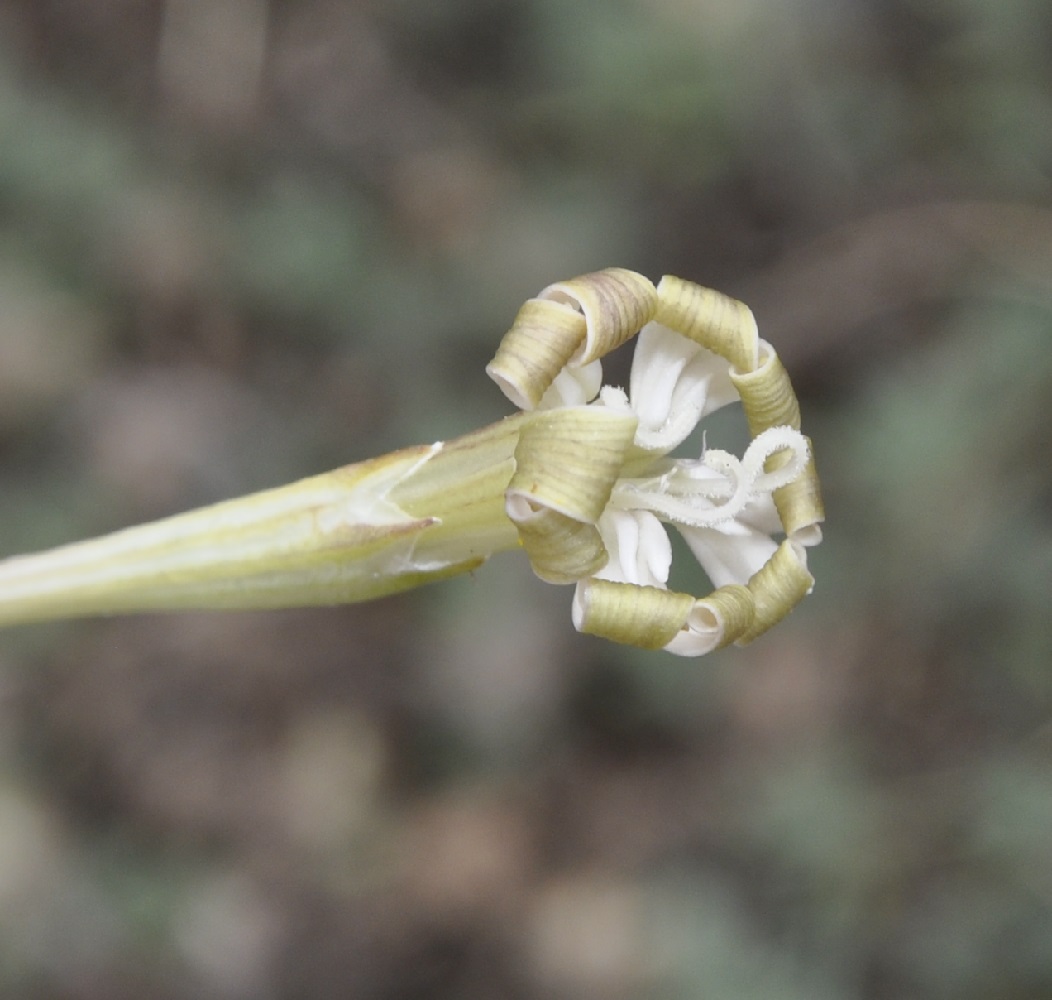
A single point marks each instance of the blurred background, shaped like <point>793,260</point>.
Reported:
<point>242,241</point>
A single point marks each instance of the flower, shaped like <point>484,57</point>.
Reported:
<point>581,479</point>
<point>697,351</point>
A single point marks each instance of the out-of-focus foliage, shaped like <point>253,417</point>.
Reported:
<point>245,240</point>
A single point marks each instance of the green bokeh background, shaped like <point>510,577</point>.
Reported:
<point>242,241</point>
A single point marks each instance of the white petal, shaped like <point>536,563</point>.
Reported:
<point>760,513</point>
<point>577,607</point>
<point>673,384</point>
<point>659,359</point>
<point>731,553</point>
<point>720,391</point>
<point>573,387</point>
<point>639,547</point>
<point>702,635</point>
<point>614,398</point>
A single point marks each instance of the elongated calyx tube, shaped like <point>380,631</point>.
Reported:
<point>582,479</point>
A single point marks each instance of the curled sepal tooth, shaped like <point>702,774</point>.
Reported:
<point>568,460</point>
<point>647,617</point>
<point>714,622</point>
<point>616,304</point>
<point>717,322</point>
<point>799,505</point>
<point>777,588</point>
<point>559,548</point>
<point>767,394</point>
<point>543,337</point>
<point>731,611</point>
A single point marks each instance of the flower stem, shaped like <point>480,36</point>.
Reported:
<point>359,532</point>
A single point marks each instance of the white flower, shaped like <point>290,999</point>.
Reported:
<point>696,352</point>
<point>583,481</point>
<point>720,504</point>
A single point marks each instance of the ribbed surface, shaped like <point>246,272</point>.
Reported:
<point>777,588</point>
<point>734,610</point>
<point>717,322</point>
<point>616,304</point>
<point>541,341</point>
<point>560,548</point>
<point>799,505</point>
<point>569,459</point>
<point>767,394</point>
<point>647,617</point>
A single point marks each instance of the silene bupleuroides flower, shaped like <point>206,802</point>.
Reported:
<point>581,479</point>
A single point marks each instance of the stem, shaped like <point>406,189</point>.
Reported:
<point>359,532</point>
